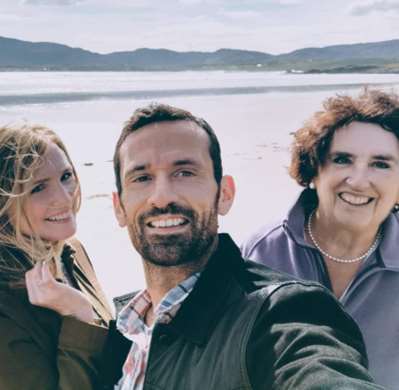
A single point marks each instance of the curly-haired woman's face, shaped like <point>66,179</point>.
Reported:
<point>358,185</point>
<point>49,206</point>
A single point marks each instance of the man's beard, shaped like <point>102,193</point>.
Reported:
<point>176,249</point>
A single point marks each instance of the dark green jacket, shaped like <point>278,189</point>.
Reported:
<point>40,350</point>
<point>245,326</point>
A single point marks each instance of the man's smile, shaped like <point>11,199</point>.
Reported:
<point>166,222</point>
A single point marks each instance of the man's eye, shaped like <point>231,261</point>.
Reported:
<point>381,165</point>
<point>184,173</point>
<point>38,188</point>
<point>141,179</point>
<point>341,160</point>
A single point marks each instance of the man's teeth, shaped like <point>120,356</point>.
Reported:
<point>59,217</point>
<point>162,223</point>
<point>354,199</point>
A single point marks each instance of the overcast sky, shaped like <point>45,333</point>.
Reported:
<point>273,26</point>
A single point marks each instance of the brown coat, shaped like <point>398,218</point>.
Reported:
<point>39,349</point>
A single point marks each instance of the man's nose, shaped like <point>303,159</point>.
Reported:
<point>163,193</point>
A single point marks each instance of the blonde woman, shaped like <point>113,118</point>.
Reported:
<point>53,314</point>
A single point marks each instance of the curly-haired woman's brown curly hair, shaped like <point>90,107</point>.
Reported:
<point>312,142</point>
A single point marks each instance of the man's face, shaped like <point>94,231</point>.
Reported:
<point>170,198</point>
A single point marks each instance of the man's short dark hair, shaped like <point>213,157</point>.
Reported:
<point>155,113</point>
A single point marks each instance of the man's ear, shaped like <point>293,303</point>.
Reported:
<point>118,209</point>
<point>226,196</point>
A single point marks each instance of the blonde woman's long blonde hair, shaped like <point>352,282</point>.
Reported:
<point>21,152</point>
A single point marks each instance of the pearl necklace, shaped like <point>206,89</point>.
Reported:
<point>337,259</point>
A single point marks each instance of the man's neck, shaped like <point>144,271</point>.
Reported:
<point>160,279</point>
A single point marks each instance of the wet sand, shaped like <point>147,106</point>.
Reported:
<point>254,132</point>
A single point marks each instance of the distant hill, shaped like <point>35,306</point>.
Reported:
<point>21,54</point>
<point>156,59</point>
<point>368,57</point>
<point>378,50</point>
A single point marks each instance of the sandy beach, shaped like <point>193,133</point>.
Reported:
<point>254,132</point>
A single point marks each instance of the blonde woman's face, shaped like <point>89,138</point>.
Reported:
<point>49,206</point>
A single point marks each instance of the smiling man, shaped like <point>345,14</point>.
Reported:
<point>208,319</point>
<point>166,167</point>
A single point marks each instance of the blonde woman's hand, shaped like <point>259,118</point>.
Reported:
<point>45,291</point>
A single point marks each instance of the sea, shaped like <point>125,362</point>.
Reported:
<point>20,88</point>
<point>253,114</point>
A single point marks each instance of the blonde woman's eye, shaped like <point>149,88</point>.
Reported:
<point>38,188</point>
<point>66,176</point>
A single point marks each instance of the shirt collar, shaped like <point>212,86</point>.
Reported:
<point>176,295</point>
<point>131,319</point>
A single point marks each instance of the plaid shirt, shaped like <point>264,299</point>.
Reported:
<point>131,323</point>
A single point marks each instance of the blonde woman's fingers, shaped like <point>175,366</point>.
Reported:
<point>31,275</point>
<point>35,272</point>
<point>31,285</point>
<point>46,274</point>
<point>35,279</point>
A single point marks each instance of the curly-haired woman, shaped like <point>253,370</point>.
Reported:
<point>343,231</point>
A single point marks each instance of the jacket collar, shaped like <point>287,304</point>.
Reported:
<point>79,267</point>
<point>389,244</point>
<point>295,222</point>
<point>212,293</point>
<point>68,259</point>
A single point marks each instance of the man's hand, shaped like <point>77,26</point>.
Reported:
<point>45,291</point>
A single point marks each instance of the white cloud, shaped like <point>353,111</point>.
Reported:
<point>11,18</point>
<point>243,15</point>
<point>289,2</point>
<point>51,2</point>
<point>374,6</point>
<point>190,2</point>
